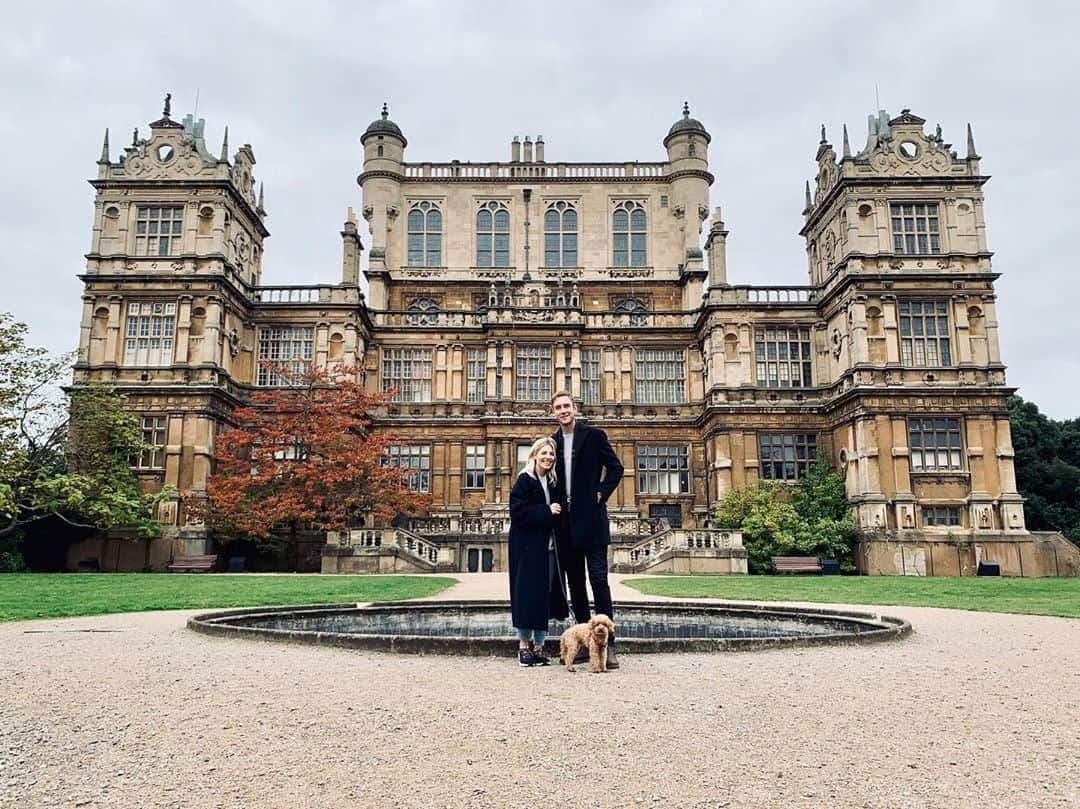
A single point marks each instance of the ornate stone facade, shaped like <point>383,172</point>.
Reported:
<point>490,285</point>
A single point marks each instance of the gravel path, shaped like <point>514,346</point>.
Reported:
<point>137,711</point>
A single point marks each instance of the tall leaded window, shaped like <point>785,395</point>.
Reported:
<point>533,373</point>
<point>153,434</point>
<point>476,375</point>
<point>663,470</point>
<point>423,311</point>
<point>425,235</point>
<point>628,235</point>
<point>660,376</point>
<point>590,375</point>
<point>561,236</point>
<point>149,337</point>
<point>924,333</point>
<point>493,235</point>
<point>407,371</point>
<point>158,230</point>
<point>934,444</point>
<point>783,357</point>
<point>474,466</point>
<point>285,354</point>
<point>915,228</point>
<point>787,456</point>
<point>417,459</point>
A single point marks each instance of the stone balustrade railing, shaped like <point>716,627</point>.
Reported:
<point>763,294</point>
<point>298,294</point>
<point>699,539</point>
<point>423,171</point>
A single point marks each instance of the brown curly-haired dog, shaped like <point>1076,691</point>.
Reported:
<point>595,635</point>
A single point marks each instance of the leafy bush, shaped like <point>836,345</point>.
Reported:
<point>11,558</point>
<point>810,519</point>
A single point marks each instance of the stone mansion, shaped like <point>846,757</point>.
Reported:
<point>491,284</point>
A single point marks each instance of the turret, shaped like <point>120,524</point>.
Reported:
<point>384,150</point>
<point>350,251</point>
<point>687,145</point>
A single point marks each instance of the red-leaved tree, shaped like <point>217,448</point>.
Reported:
<point>305,456</point>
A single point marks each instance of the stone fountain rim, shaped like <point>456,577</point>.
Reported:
<point>880,628</point>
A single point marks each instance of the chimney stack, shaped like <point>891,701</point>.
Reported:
<point>528,149</point>
<point>515,150</point>
<point>539,148</point>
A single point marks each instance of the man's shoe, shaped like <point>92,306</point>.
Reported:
<point>526,658</point>
<point>582,655</point>
<point>612,660</point>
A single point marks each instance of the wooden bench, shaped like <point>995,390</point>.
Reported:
<point>192,564</point>
<point>796,564</point>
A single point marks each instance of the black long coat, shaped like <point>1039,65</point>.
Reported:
<point>595,468</point>
<point>533,602</point>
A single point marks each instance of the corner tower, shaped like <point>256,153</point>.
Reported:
<point>897,254</point>
<point>175,254</point>
<point>384,155</point>
<point>687,144</point>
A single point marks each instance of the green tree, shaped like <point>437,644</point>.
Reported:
<point>61,455</point>
<point>1047,460</point>
<point>809,519</point>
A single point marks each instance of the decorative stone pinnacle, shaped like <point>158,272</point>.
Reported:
<point>385,111</point>
<point>823,138</point>
<point>686,109</point>
<point>135,137</point>
<point>168,105</point>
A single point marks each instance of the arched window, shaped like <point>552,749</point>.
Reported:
<point>635,308</point>
<point>628,229</point>
<point>560,236</point>
<point>493,235</point>
<point>425,235</point>
<point>422,312</point>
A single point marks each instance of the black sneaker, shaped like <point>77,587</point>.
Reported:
<point>540,656</point>
<point>526,658</point>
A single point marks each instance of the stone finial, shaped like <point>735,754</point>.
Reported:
<point>823,138</point>
<point>225,147</point>
<point>105,148</point>
<point>135,137</point>
<point>971,153</point>
<point>168,106</point>
<point>847,146</point>
<point>385,111</point>
<point>260,207</point>
<point>686,109</point>
<point>809,199</point>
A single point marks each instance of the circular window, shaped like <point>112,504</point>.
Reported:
<point>908,149</point>
<point>165,153</point>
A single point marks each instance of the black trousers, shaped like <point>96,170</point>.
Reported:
<point>578,561</point>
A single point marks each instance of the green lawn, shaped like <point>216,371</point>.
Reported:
<point>58,595</point>
<point>1030,596</point>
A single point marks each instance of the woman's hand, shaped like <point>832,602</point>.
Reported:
<point>556,508</point>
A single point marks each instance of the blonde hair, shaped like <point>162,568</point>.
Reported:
<point>530,463</point>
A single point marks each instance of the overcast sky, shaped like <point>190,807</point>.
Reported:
<point>600,81</point>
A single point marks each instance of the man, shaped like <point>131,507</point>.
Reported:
<point>589,471</point>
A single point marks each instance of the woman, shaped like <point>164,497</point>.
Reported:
<point>536,592</point>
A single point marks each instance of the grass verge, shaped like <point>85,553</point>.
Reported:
<point>46,595</point>
<point>1028,596</point>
